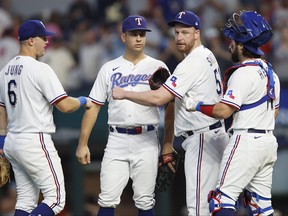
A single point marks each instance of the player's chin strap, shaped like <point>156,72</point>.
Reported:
<point>215,200</point>
<point>254,208</point>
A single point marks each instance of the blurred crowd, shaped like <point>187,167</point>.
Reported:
<point>87,34</point>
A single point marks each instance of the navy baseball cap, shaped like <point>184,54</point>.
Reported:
<point>134,22</point>
<point>187,18</point>
<point>33,28</point>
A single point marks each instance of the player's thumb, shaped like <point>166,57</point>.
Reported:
<point>88,159</point>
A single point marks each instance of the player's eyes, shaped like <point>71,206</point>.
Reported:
<point>43,38</point>
<point>141,34</point>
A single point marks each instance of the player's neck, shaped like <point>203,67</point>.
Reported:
<point>134,57</point>
<point>197,44</point>
<point>25,52</point>
<point>243,59</point>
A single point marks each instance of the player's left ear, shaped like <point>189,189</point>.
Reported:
<point>123,37</point>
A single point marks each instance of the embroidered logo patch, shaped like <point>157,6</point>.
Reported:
<point>230,93</point>
<point>173,81</point>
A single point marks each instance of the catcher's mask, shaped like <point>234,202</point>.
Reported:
<point>250,29</point>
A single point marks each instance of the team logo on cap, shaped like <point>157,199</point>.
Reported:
<point>180,14</point>
<point>138,20</point>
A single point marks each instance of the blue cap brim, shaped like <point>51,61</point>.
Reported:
<point>47,33</point>
<point>172,23</point>
<point>138,29</point>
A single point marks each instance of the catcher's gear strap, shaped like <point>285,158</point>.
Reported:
<point>2,139</point>
<point>215,204</point>
<point>270,87</point>
<point>252,199</point>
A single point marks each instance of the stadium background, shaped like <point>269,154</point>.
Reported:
<point>88,35</point>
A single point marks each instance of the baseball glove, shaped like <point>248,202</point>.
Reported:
<point>165,175</point>
<point>158,78</point>
<point>4,170</point>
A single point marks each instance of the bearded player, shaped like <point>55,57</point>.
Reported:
<point>252,98</point>
<point>204,137</point>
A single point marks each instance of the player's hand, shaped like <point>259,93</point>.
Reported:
<point>88,104</point>
<point>118,93</point>
<point>166,150</point>
<point>191,104</point>
<point>83,154</point>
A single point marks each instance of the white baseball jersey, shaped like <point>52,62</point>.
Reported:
<point>197,76</point>
<point>250,155</point>
<point>128,156</point>
<point>28,89</point>
<point>241,90</point>
<point>122,73</point>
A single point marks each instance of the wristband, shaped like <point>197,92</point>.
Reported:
<point>198,106</point>
<point>2,139</point>
<point>82,100</point>
<point>207,110</point>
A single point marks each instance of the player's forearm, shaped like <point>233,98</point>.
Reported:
<point>168,128</point>
<point>88,122</point>
<point>219,110</point>
<point>147,98</point>
<point>157,97</point>
<point>3,121</point>
<point>70,104</point>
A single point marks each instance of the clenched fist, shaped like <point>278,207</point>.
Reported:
<point>118,93</point>
<point>191,104</point>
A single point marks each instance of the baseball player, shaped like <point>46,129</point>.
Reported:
<point>132,149</point>
<point>204,137</point>
<point>28,91</point>
<point>252,97</point>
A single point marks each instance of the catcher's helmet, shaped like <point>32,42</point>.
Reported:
<point>250,29</point>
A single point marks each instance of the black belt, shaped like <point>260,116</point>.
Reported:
<point>218,124</point>
<point>131,130</point>
<point>252,130</point>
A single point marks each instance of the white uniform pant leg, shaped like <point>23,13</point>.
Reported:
<point>114,176</point>
<point>248,163</point>
<point>129,156</point>
<point>37,166</point>
<point>203,156</point>
<point>143,171</point>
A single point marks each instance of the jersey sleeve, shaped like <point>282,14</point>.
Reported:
<point>182,79</point>
<point>98,93</point>
<point>239,87</point>
<point>50,85</point>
